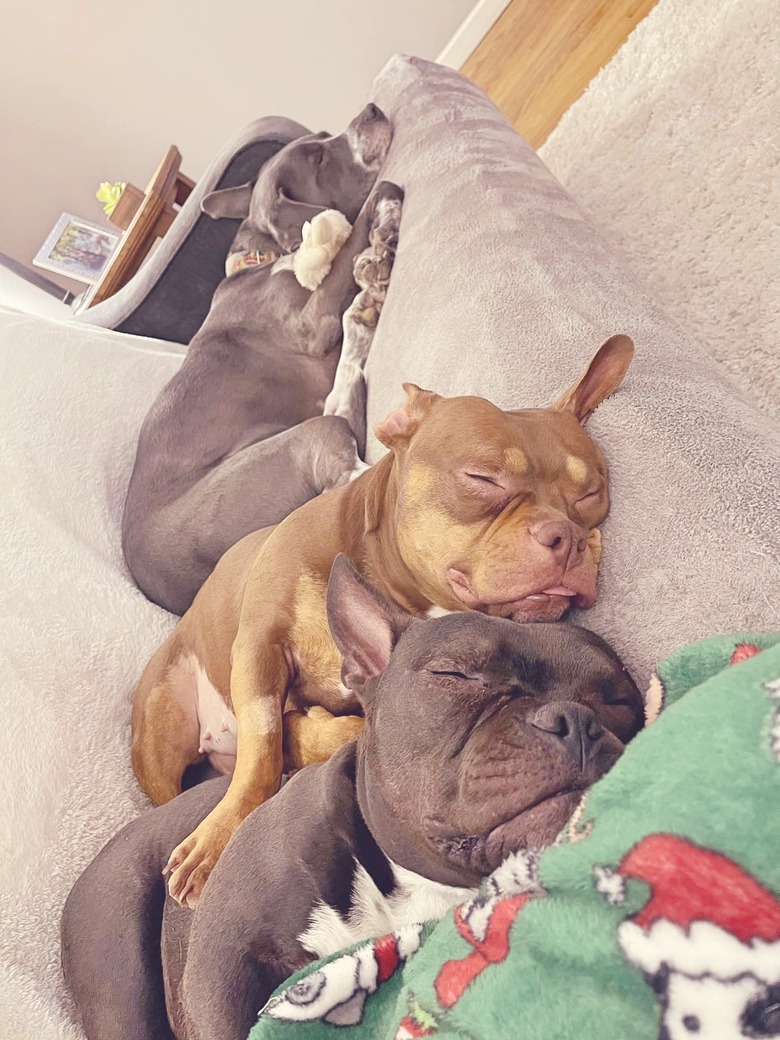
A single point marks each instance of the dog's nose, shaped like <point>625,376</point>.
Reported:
<point>372,111</point>
<point>574,725</point>
<point>560,537</point>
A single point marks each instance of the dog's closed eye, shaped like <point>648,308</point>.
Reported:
<point>621,713</point>
<point>480,482</point>
<point>591,496</point>
<point>619,702</point>
<point>449,670</point>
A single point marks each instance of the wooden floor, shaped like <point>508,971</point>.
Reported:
<point>541,54</point>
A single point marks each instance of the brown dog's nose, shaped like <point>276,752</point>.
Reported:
<point>574,725</point>
<point>560,537</point>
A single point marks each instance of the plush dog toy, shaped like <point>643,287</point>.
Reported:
<point>323,237</point>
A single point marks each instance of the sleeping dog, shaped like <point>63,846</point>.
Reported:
<point>237,438</point>
<point>480,737</point>
<point>503,520</point>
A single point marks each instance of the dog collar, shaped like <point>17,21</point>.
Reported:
<point>240,261</point>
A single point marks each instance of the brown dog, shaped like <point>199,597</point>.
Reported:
<point>472,508</point>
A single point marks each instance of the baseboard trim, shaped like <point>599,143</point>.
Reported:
<point>471,30</point>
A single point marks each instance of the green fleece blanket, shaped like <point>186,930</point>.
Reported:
<point>657,917</point>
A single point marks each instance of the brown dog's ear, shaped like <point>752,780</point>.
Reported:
<point>364,624</point>
<point>288,217</point>
<point>398,428</point>
<point>228,202</point>
<point>601,378</point>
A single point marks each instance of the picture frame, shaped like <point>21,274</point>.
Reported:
<point>78,248</point>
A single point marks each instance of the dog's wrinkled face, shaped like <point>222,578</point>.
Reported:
<point>499,511</point>
<point>480,734</point>
<point>531,715</point>
<point>314,173</point>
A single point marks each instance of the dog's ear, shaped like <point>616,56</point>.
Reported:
<point>601,378</point>
<point>400,426</point>
<point>364,624</point>
<point>288,217</point>
<point>228,202</point>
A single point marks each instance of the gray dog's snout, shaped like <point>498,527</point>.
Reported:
<point>574,725</point>
<point>373,111</point>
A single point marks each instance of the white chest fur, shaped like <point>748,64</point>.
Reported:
<point>217,723</point>
<point>414,900</point>
<point>437,611</point>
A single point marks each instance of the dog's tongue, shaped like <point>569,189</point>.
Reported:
<point>558,590</point>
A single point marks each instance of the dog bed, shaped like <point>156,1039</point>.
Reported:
<point>659,913</point>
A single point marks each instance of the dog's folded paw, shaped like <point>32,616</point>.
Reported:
<point>387,203</point>
<point>192,861</point>
<point>365,309</point>
<point>372,273</point>
<point>374,265</point>
<point>387,191</point>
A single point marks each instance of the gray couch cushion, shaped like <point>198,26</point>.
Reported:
<point>503,288</point>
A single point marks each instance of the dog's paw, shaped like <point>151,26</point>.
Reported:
<point>346,727</point>
<point>315,735</point>
<point>192,862</point>
<point>365,309</point>
<point>372,272</point>
<point>373,267</point>
<point>387,203</point>
<point>387,191</point>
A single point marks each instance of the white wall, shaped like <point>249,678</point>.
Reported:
<point>94,91</point>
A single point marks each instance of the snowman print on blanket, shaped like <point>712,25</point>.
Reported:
<point>336,993</point>
<point>707,940</point>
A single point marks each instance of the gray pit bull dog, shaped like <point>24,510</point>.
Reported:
<point>480,736</point>
<point>237,439</point>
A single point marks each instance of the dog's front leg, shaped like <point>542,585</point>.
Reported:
<point>347,397</point>
<point>376,225</point>
<point>258,685</point>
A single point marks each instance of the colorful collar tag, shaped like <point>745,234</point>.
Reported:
<point>240,261</point>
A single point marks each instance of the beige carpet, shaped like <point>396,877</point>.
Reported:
<point>673,150</point>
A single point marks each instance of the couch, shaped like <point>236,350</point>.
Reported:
<point>502,287</point>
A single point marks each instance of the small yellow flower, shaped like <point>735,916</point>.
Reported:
<point>109,194</point>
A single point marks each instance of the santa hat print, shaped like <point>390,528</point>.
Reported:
<point>705,914</point>
<point>743,652</point>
